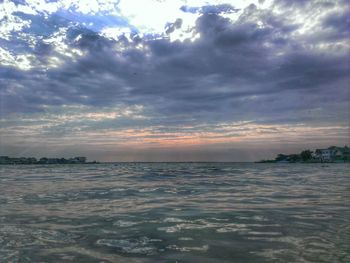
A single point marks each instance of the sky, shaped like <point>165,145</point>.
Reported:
<point>173,80</point>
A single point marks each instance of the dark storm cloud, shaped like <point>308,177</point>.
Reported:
<point>234,71</point>
<point>339,22</point>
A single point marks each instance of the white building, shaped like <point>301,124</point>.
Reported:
<point>328,154</point>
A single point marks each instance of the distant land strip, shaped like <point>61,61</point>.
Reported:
<point>43,160</point>
<point>332,154</point>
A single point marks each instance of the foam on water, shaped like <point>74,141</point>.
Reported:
<point>141,245</point>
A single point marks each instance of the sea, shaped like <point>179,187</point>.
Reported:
<point>175,212</point>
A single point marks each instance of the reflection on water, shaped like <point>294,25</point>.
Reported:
<point>163,212</point>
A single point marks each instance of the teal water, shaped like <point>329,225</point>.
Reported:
<point>175,212</point>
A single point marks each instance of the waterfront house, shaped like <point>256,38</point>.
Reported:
<point>333,153</point>
<point>326,154</point>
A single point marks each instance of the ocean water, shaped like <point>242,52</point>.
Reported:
<point>175,212</point>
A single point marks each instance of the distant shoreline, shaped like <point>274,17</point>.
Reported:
<point>332,154</point>
<point>309,162</point>
<point>171,162</point>
<point>6,160</point>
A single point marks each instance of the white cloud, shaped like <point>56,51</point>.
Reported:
<point>20,61</point>
<point>150,16</point>
<point>43,6</point>
<point>92,6</point>
<point>115,32</point>
<point>58,40</point>
<point>10,23</point>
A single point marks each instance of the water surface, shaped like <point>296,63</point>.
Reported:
<point>175,212</point>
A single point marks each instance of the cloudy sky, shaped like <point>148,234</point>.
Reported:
<point>173,80</point>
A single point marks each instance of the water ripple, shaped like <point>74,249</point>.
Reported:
<point>168,212</point>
